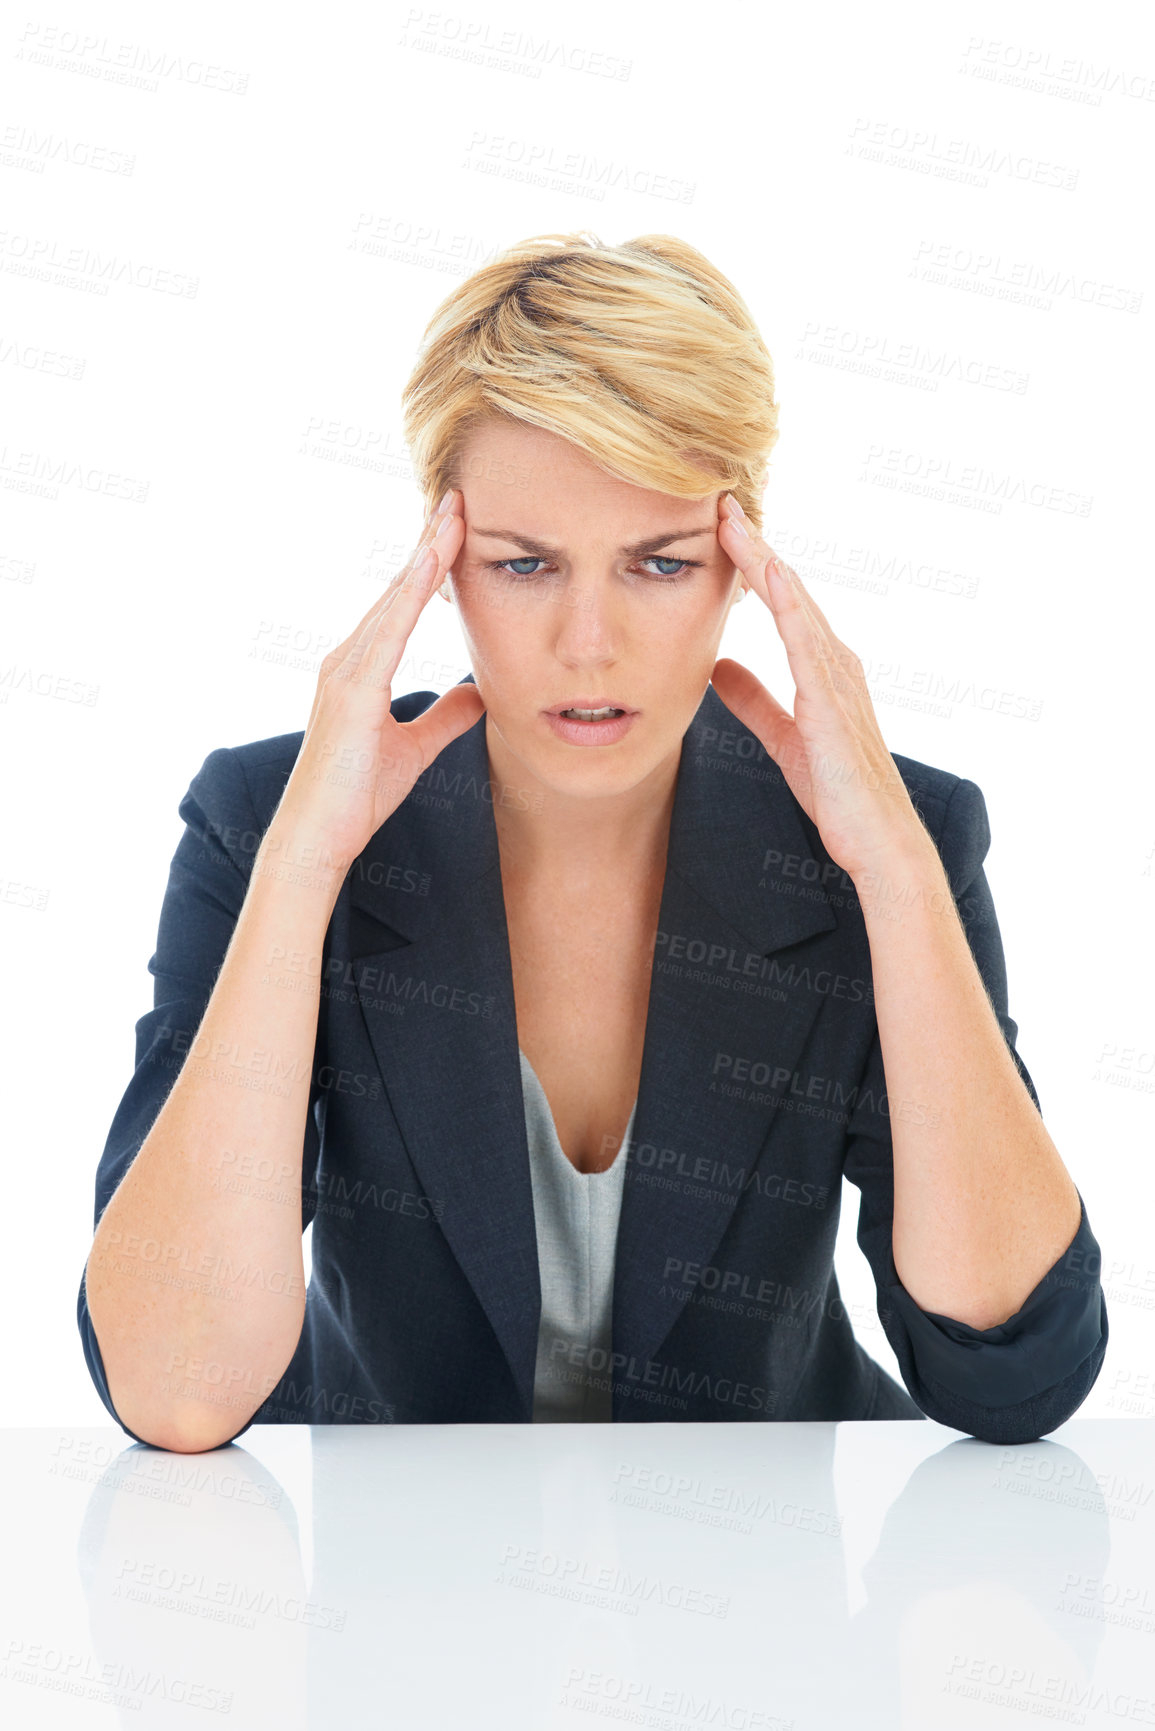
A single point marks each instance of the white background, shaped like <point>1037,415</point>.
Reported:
<point>922,206</point>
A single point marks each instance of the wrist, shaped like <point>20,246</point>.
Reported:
<point>908,872</point>
<point>294,854</point>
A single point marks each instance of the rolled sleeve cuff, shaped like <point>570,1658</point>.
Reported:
<point>1058,1327</point>
<point>95,1363</point>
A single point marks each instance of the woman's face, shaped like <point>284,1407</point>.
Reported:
<point>559,607</point>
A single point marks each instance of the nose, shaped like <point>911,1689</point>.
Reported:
<point>589,629</point>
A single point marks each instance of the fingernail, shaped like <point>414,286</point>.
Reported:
<point>738,526</point>
<point>449,517</point>
<point>444,505</point>
<point>426,563</point>
<point>735,508</point>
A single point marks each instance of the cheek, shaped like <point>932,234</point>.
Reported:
<point>512,624</point>
<point>706,606</point>
<point>484,612</point>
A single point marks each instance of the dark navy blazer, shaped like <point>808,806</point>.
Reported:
<point>761,1086</point>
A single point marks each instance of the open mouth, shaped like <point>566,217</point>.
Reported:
<point>589,724</point>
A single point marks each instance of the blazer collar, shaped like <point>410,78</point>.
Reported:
<point>431,966</point>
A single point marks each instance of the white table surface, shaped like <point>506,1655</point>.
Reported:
<point>674,1576</point>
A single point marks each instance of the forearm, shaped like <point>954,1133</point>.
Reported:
<point>983,1204</point>
<point>195,1280</point>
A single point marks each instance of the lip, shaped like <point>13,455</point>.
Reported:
<point>591,703</point>
<point>590,732</point>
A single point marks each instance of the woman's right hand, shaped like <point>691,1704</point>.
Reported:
<point>356,763</point>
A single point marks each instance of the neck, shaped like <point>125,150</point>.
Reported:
<point>569,841</point>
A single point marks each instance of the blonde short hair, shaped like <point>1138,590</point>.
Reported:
<point>643,355</point>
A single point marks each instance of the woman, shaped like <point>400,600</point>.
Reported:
<point>561,1026</point>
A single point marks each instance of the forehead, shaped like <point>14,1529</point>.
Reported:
<point>537,476</point>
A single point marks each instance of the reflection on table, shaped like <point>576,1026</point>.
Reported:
<point>746,1575</point>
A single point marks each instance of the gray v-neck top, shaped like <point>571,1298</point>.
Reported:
<point>576,1216</point>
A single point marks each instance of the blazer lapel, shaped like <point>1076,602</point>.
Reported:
<point>435,987</point>
<point>439,1008</point>
<point>724,910</point>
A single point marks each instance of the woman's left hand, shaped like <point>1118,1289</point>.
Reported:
<point>831,751</point>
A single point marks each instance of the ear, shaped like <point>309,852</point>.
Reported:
<point>739,592</point>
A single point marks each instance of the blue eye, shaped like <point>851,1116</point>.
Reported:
<point>507,567</point>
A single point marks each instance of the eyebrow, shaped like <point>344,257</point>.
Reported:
<point>636,549</point>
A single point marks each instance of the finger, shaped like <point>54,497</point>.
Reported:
<point>454,711</point>
<point>843,670</point>
<point>801,635</point>
<point>409,576</point>
<point>840,654</point>
<point>770,562</point>
<point>809,604</point>
<point>340,664</point>
<point>758,709</point>
<point>373,611</point>
<point>429,532</point>
<point>835,666</point>
<point>741,548</point>
<point>374,657</point>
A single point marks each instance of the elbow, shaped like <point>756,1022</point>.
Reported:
<point>147,1409</point>
<point>186,1427</point>
<point>1005,1426</point>
<point>186,1433</point>
<point>1025,1421</point>
<point>181,1437</point>
<point>1017,1382</point>
<point>1008,1432</point>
